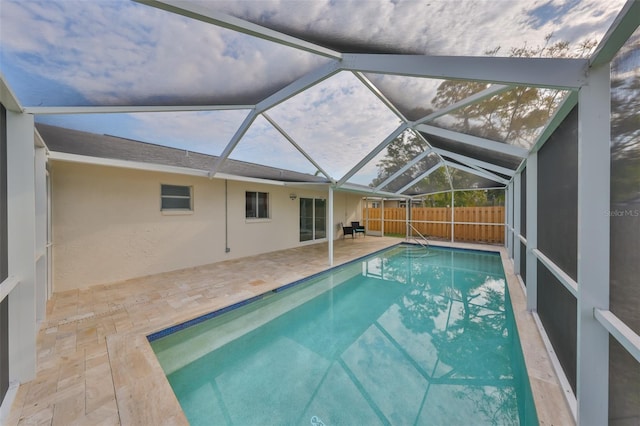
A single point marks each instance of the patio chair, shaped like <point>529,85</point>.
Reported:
<point>358,229</point>
<point>347,230</point>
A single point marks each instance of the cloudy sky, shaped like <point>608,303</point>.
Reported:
<point>118,52</point>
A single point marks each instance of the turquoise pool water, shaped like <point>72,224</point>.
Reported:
<point>402,337</point>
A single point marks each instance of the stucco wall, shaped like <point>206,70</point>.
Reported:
<point>107,224</point>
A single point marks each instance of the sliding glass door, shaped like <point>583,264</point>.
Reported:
<point>313,219</point>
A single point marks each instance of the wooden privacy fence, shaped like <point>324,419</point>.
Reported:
<point>473,224</point>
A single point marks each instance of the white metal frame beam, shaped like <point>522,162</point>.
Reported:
<point>419,178</point>
<point>482,173</point>
<point>401,128</point>
<point>44,110</point>
<point>517,223</point>
<point>281,95</point>
<point>477,97</point>
<point>295,145</point>
<point>619,32</point>
<point>234,142</point>
<point>372,87</point>
<point>21,237</point>
<point>554,122</point>
<point>556,73</point>
<point>310,79</point>
<point>594,176</point>
<point>508,232</point>
<point>204,14</point>
<point>404,168</point>
<point>621,331</point>
<point>488,144</point>
<point>474,162</point>
<point>531,174</point>
<point>7,97</point>
<point>359,189</point>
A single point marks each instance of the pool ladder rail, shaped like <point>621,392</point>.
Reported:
<point>422,241</point>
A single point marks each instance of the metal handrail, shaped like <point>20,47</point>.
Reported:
<point>422,236</point>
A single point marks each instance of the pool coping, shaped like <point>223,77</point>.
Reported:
<point>136,370</point>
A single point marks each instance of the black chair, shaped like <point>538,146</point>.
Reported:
<point>347,230</point>
<point>358,229</point>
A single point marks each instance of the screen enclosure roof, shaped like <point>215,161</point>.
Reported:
<point>390,97</point>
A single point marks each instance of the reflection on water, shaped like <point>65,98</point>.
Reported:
<point>406,337</point>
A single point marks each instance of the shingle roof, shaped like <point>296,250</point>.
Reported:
<point>76,142</point>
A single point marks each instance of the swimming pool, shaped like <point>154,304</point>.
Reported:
<point>404,336</point>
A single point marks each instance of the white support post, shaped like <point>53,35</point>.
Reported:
<point>21,220</point>
<point>594,141</point>
<point>382,217</point>
<point>453,214</point>
<point>511,236</point>
<point>41,288</point>
<point>507,221</point>
<point>407,219</point>
<point>366,218</point>
<point>331,226</point>
<point>532,232</point>
<point>517,204</point>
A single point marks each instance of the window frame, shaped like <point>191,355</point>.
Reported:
<point>164,196</point>
<point>256,199</point>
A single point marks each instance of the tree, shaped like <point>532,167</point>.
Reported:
<point>514,116</point>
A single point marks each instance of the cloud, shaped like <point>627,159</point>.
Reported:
<point>337,122</point>
<point>207,132</point>
<point>436,27</point>
<point>121,52</point>
<point>118,52</point>
<point>263,144</point>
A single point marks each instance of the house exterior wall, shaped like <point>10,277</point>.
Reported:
<point>108,226</point>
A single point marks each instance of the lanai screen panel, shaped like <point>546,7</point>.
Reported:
<point>119,52</point>
<point>516,117</point>
<point>207,132</point>
<point>465,180</point>
<point>558,238</point>
<point>523,225</point>
<point>558,196</point>
<point>406,149</point>
<point>263,144</point>
<point>419,169</point>
<point>436,27</point>
<point>417,97</point>
<point>337,122</point>
<point>438,181</point>
<point>624,390</point>
<point>494,157</point>
<point>558,312</point>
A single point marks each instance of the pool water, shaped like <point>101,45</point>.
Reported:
<point>404,337</point>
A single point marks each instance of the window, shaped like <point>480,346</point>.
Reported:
<point>175,197</point>
<point>257,205</point>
